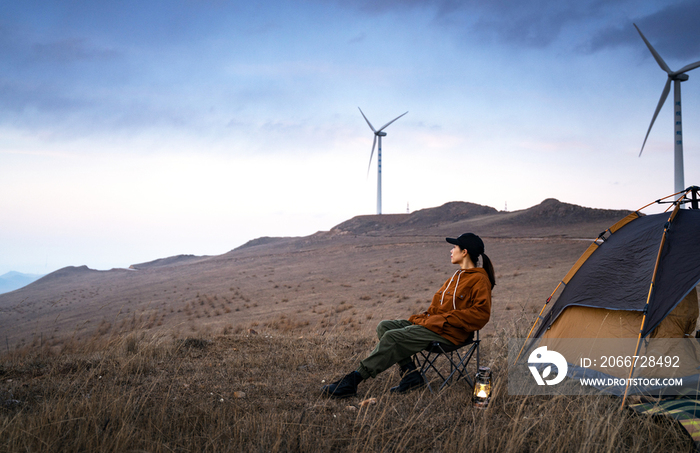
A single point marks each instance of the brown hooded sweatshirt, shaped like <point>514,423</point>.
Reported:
<point>462,305</point>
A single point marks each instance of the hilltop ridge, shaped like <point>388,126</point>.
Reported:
<point>544,218</point>
<point>425,218</point>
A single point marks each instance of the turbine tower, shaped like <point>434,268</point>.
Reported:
<point>677,77</point>
<point>378,134</point>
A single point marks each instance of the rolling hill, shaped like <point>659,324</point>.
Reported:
<point>362,270</point>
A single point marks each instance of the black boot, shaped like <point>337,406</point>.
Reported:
<point>411,379</point>
<point>343,388</point>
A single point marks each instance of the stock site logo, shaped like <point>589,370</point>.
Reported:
<point>542,356</point>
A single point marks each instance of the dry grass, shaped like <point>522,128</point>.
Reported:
<point>243,393</point>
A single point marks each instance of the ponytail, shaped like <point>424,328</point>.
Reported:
<point>488,267</point>
<point>486,264</point>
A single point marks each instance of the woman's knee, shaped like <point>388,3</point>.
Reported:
<point>382,328</point>
<point>392,337</point>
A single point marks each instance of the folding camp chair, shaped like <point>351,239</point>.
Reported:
<point>448,361</point>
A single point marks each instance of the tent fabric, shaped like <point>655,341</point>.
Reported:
<point>613,333</point>
<point>594,246</point>
<point>679,267</point>
<point>685,410</point>
<point>587,254</point>
<point>682,320</point>
<point>588,322</point>
<point>618,272</point>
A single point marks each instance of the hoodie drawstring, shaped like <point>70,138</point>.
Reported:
<point>454,294</point>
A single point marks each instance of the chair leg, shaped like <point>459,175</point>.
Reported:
<point>425,363</point>
<point>429,364</point>
<point>478,343</point>
<point>460,367</point>
<point>426,360</point>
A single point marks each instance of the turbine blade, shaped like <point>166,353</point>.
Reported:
<point>383,127</point>
<point>690,67</point>
<point>656,55</point>
<point>371,155</point>
<point>368,123</point>
<point>664,95</point>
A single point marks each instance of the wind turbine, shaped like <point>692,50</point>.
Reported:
<point>378,134</point>
<point>677,77</point>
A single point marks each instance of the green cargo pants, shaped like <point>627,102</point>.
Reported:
<point>398,341</point>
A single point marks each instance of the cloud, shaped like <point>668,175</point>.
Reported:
<point>358,38</point>
<point>536,23</point>
<point>543,23</point>
<point>525,24</point>
<point>68,86</point>
<point>53,111</point>
<point>16,97</point>
<point>25,47</point>
<point>70,50</point>
<point>672,30</point>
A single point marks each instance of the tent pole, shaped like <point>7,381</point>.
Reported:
<point>646,305</point>
<point>636,349</point>
<point>660,200</point>
<point>683,197</point>
<point>694,202</point>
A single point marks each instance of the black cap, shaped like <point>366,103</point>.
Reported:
<point>469,242</point>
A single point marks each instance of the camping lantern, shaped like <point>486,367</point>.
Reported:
<point>482,388</point>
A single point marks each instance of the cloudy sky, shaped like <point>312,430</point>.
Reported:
<point>132,130</point>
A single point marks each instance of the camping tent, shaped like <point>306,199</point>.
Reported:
<point>636,281</point>
<point>616,275</point>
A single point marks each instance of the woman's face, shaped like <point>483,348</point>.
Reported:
<point>457,255</point>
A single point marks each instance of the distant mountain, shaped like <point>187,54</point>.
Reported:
<point>16,280</point>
